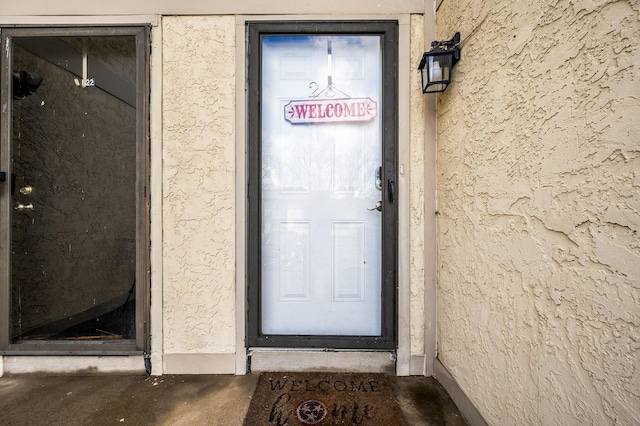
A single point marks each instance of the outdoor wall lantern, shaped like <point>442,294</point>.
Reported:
<point>436,64</point>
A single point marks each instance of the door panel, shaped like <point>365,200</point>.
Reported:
<point>322,140</point>
<point>318,182</point>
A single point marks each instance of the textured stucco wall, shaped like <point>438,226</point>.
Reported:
<point>416,214</point>
<point>199,164</point>
<point>539,210</point>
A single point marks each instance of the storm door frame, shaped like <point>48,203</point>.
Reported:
<point>141,343</point>
<point>389,33</point>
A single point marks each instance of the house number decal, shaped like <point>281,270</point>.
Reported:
<point>85,82</point>
<point>330,110</point>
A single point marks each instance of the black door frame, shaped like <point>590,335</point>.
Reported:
<point>141,343</point>
<point>388,31</point>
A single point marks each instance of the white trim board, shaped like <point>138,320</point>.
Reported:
<point>61,20</point>
<point>208,7</point>
<point>199,363</point>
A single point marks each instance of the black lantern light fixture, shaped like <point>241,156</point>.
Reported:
<point>436,64</point>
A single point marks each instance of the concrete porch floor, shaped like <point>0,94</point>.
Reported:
<point>176,400</point>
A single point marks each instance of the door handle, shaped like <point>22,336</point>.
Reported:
<point>22,207</point>
<point>391,189</point>
<point>377,207</point>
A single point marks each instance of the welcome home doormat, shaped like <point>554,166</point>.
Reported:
<point>294,399</point>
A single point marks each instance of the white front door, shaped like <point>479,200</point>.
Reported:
<point>322,187</point>
<point>321,150</point>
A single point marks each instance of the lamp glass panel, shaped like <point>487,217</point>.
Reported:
<point>435,69</point>
<point>439,68</point>
<point>446,69</point>
<point>438,87</point>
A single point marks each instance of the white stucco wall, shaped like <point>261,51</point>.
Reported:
<point>198,109</point>
<point>539,210</point>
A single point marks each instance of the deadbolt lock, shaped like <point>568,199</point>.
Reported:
<point>26,190</point>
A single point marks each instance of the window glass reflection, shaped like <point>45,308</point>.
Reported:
<point>73,228</point>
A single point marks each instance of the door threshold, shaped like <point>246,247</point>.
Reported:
<point>122,347</point>
<point>299,360</point>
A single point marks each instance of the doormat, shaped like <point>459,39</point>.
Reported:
<point>294,399</point>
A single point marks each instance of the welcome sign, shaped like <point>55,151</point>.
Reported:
<point>330,110</point>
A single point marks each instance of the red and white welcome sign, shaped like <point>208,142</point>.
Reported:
<point>330,110</point>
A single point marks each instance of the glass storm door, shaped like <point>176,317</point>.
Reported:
<point>325,188</point>
<point>74,163</point>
